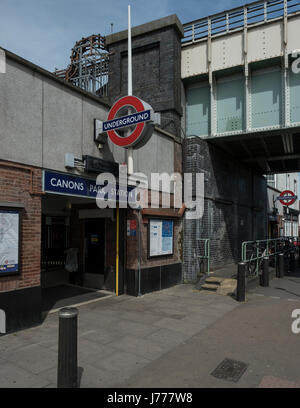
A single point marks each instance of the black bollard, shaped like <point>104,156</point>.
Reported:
<point>277,266</point>
<point>286,263</point>
<point>281,263</point>
<point>67,349</point>
<point>241,282</point>
<point>292,267</point>
<point>265,272</point>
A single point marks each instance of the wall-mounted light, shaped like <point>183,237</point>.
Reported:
<point>71,161</point>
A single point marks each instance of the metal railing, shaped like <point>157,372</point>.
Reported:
<point>253,252</point>
<point>203,247</point>
<point>238,18</point>
<point>89,65</point>
<point>53,259</point>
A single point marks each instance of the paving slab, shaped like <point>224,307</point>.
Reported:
<point>94,378</point>
<point>16,377</point>
<point>141,347</point>
<point>33,358</point>
<point>168,338</point>
<point>16,340</point>
<point>274,382</point>
<point>88,350</point>
<point>129,327</point>
<point>184,326</point>
<point>101,336</point>
<point>123,361</point>
<point>145,318</point>
<point>203,319</point>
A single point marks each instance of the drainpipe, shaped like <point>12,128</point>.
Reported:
<point>139,249</point>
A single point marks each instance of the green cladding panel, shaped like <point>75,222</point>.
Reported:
<point>198,111</point>
<point>266,99</point>
<point>294,97</point>
<point>230,105</point>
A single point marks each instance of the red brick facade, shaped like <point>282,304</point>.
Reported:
<point>132,245</point>
<point>22,185</point>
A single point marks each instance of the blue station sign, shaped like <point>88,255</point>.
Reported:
<point>125,121</point>
<point>66,184</point>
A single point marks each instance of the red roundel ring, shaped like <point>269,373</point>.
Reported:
<point>287,193</point>
<point>131,139</point>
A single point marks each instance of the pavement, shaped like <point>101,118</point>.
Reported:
<point>257,333</point>
<point>173,338</point>
<point>65,295</point>
<point>227,271</point>
<point>117,337</point>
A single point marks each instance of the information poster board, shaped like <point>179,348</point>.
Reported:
<point>161,233</point>
<point>9,241</point>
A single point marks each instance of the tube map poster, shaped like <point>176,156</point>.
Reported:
<point>9,241</point>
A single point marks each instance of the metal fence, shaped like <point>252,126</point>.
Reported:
<point>203,254</point>
<point>238,18</point>
<point>253,252</point>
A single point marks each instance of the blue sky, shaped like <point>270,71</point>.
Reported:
<point>44,31</point>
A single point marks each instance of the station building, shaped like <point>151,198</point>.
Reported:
<point>224,114</point>
<point>48,204</point>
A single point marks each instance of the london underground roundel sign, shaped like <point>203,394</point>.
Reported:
<point>287,197</point>
<point>128,122</point>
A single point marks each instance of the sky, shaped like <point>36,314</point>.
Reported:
<point>44,31</point>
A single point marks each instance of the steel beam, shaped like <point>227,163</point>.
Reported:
<point>274,158</point>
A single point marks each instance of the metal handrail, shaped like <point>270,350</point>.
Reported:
<point>206,255</point>
<point>238,18</point>
<point>266,244</point>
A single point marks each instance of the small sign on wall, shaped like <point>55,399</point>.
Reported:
<point>131,228</point>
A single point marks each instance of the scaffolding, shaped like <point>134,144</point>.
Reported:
<point>89,65</point>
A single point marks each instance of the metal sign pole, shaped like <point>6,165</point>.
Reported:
<point>130,150</point>
<point>129,54</point>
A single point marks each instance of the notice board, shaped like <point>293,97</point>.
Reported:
<point>160,237</point>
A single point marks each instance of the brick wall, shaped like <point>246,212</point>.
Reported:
<point>132,246</point>
<point>15,187</point>
<point>235,207</point>
<point>156,62</point>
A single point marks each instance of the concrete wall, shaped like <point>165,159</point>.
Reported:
<point>42,118</point>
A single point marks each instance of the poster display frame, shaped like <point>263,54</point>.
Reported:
<point>162,220</point>
<point>19,212</point>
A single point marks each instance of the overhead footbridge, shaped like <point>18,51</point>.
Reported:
<point>241,71</point>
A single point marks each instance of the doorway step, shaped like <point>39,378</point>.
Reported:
<point>220,285</point>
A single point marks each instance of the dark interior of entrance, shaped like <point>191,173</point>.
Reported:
<point>77,250</point>
<point>94,248</point>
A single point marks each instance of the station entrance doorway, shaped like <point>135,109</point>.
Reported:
<point>94,256</point>
<point>78,251</point>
